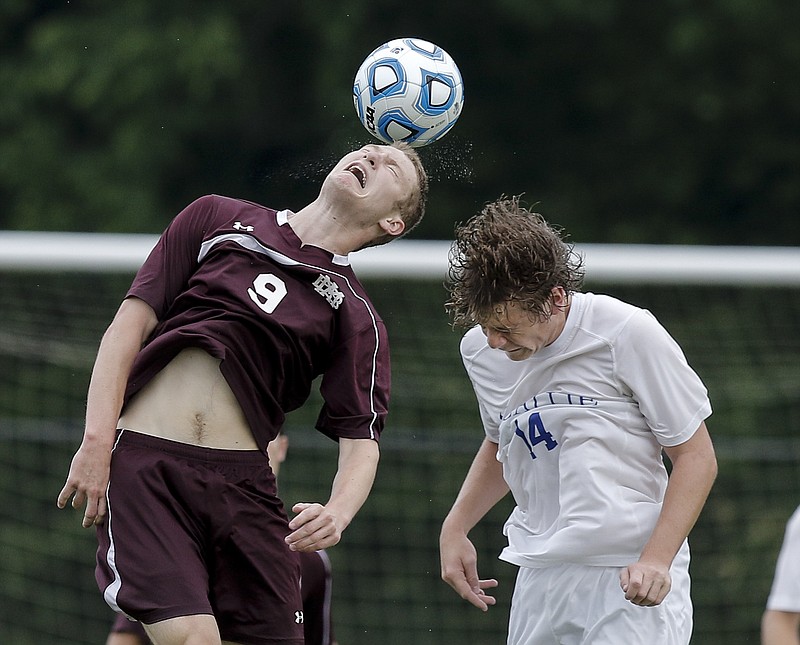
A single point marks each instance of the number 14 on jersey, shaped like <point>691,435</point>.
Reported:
<point>536,434</point>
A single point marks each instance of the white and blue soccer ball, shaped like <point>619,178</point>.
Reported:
<point>408,90</point>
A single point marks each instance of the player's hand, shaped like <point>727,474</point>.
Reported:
<point>645,584</point>
<point>313,528</point>
<point>460,570</point>
<point>86,484</point>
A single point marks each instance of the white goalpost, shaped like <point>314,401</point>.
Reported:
<point>427,259</point>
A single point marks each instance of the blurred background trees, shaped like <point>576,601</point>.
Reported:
<point>627,121</point>
<point>674,121</point>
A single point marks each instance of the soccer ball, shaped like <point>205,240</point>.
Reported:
<point>408,90</point>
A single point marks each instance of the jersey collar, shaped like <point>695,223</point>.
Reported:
<point>282,218</point>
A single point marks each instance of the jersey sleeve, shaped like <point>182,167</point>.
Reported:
<point>785,592</point>
<point>356,386</point>
<point>669,392</point>
<point>484,375</point>
<point>174,257</point>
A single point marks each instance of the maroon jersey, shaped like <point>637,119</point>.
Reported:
<point>231,277</point>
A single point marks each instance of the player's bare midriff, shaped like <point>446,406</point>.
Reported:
<point>190,401</point>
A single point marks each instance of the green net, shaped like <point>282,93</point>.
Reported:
<point>742,340</point>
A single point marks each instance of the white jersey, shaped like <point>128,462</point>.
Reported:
<point>785,592</point>
<point>580,426</point>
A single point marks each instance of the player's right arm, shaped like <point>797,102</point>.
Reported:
<point>483,487</point>
<point>88,474</point>
<point>318,527</point>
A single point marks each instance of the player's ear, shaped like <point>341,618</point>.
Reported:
<point>393,225</point>
<point>559,296</point>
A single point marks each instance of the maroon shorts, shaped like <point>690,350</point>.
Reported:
<point>193,530</point>
<point>316,587</point>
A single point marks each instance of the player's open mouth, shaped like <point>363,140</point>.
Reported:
<point>359,174</point>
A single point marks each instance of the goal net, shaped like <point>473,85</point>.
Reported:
<point>735,312</point>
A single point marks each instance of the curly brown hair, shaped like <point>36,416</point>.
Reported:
<point>508,253</point>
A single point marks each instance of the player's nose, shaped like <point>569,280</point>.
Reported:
<point>495,339</point>
<point>373,154</point>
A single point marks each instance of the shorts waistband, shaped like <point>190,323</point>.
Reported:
<point>189,451</point>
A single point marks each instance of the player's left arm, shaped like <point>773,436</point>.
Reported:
<point>780,627</point>
<point>318,527</point>
<point>694,468</point>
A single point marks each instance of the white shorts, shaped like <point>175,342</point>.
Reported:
<point>574,604</point>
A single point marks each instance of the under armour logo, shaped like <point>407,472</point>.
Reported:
<point>298,617</point>
<point>242,227</point>
<point>329,290</point>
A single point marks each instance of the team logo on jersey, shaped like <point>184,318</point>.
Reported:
<point>329,290</point>
<point>298,617</point>
<point>243,227</point>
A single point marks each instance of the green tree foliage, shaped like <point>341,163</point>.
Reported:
<point>627,121</point>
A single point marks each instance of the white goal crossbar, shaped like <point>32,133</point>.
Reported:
<point>427,259</point>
